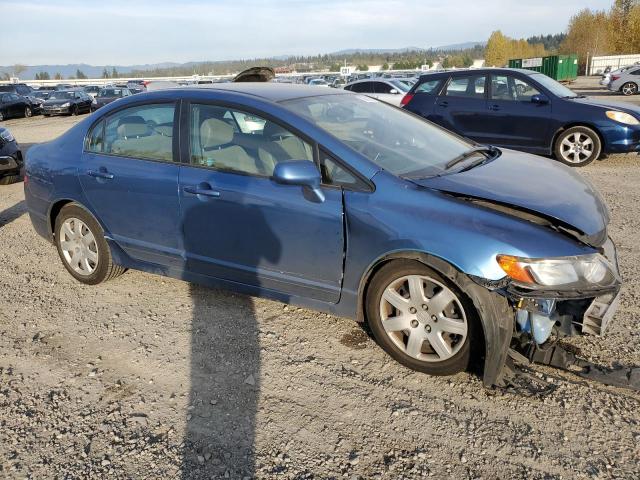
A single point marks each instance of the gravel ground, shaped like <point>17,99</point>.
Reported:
<point>149,377</point>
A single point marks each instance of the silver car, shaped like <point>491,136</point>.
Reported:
<point>626,82</point>
<point>389,90</point>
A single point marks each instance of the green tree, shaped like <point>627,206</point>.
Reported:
<point>588,34</point>
<point>105,73</point>
<point>385,66</point>
<point>58,76</point>
<point>80,74</point>
<point>446,62</point>
<point>114,73</point>
<point>18,69</point>
<point>497,50</point>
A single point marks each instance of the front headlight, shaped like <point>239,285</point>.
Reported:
<point>622,117</point>
<point>560,273</point>
<point>66,105</point>
<point>6,135</point>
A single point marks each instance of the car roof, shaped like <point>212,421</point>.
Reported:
<point>275,92</point>
<point>480,71</point>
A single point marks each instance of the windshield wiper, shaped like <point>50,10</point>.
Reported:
<point>469,153</point>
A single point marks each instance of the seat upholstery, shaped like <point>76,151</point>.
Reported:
<point>217,150</point>
<point>281,145</point>
<point>135,139</point>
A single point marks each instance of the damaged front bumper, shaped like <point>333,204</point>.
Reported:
<point>542,317</point>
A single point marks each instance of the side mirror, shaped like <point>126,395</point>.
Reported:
<point>539,99</point>
<point>300,172</point>
<point>394,91</point>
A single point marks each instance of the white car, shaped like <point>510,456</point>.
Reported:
<point>318,82</point>
<point>627,82</point>
<point>389,90</point>
<point>606,77</point>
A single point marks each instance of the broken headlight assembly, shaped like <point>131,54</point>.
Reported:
<point>541,284</point>
<point>581,272</point>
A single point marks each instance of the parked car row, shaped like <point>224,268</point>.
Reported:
<point>21,100</point>
<point>11,161</point>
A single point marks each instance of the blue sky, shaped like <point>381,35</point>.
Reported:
<point>150,31</point>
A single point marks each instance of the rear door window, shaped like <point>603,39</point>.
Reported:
<point>363,87</point>
<point>144,132</point>
<point>429,86</point>
<point>382,88</point>
<point>470,86</point>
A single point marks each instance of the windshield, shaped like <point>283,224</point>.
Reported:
<point>393,139</point>
<point>554,87</point>
<point>110,92</point>
<point>60,95</point>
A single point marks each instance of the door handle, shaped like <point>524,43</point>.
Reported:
<point>443,104</point>
<point>494,108</point>
<point>100,174</point>
<point>207,192</point>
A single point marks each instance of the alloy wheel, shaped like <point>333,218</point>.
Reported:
<point>27,112</point>
<point>629,89</point>
<point>79,246</point>
<point>423,318</point>
<point>576,148</point>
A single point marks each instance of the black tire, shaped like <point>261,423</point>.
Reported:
<point>565,155</point>
<point>27,112</point>
<point>1,116</point>
<point>400,268</point>
<point>74,110</point>
<point>629,88</point>
<point>45,115</point>
<point>105,269</point>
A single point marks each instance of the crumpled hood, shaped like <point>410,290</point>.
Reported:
<point>535,185</point>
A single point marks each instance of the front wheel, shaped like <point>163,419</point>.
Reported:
<point>629,88</point>
<point>577,146</point>
<point>82,247</point>
<point>27,112</point>
<point>420,318</point>
<point>74,110</point>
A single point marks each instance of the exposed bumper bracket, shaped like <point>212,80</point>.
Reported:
<point>559,357</point>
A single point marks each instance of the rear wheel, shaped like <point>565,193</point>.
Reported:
<point>1,116</point>
<point>27,111</point>
<point>577,146</point>
<point>74,110</point>
<point>629,88</point>
<point>82,247</point>
<point>420,318</point>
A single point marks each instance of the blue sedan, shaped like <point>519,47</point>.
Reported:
<point>526,111</point>
<point>451,251</point>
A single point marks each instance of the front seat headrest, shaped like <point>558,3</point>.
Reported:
<point>214,133</point>
<point>272,129</point>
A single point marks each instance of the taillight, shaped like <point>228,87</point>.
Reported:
<point>406,99</point>
<point>614,77</point>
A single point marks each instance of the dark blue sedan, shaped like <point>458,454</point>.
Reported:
<point>449,250</point>
<point>526,111</point>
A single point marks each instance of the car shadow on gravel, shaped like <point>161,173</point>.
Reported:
<point>12,213</point>
<point>225,347</point>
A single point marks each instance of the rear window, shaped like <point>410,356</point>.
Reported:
<point>429,86</point>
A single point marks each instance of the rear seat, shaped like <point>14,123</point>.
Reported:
<point>136,139</point>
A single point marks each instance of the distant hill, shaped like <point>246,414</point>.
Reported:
<point>444,48</point>
<point>91,71</point>
<point>95,71</point>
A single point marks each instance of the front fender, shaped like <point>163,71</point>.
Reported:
<point>495,313</point>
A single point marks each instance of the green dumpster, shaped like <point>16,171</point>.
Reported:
<point>558,67</point>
